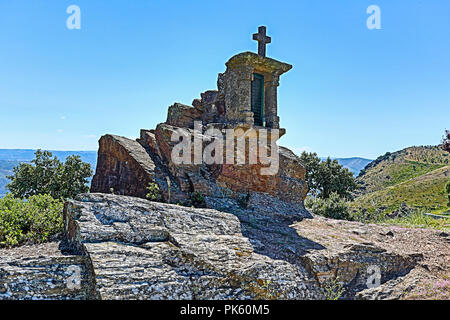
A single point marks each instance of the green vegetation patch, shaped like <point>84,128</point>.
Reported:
<point>417,219</point>
<point>401,166</point>
<point>409,170</point>
<point>423,192</point>
<point>333,207</point>
<point>32,220</point>
<point>47,175</point>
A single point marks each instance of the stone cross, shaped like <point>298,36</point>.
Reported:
<point>262,40</point>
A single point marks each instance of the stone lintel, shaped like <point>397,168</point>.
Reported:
<point>261,64</point>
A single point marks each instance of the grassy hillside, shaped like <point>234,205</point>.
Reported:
<point>424,192</point>
<point>415,176</point>
<point>394,168</point>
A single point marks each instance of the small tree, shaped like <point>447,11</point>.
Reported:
<point>446,141</point>
<point>311,163</point>
<point>325,177</point>
<point>447,188</point>
<point>47,175</point>
<point>332,177</point>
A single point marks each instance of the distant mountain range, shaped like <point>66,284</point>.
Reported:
<point>26,155</point>
<point>415,175</point>
<point>355,165</point>
<point>9,158</point>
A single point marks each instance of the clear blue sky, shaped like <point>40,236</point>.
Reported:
<point>352,91</point>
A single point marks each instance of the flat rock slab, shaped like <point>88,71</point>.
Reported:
<point>129,248</point>
<point>413,263</point>
<point>146,250</point>
<point>43,271</point>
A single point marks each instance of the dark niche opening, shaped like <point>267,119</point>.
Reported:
<point>257,98</point>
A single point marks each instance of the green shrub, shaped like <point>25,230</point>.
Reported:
<point>32,220</point>
<point>333,289</point>
<point>418,219</point>
<point>333,207</point>
<point>447,188</point>
<point>154,194</point>
<point>198,200</point>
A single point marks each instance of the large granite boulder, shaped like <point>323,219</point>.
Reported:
<point>123,167</point>
<point>139,249</point>
<point>147,250</point>
<point>120,247</point>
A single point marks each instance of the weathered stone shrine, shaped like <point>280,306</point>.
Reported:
<point>247,90</point>
<point>245,100</point>
<point>249,87</point>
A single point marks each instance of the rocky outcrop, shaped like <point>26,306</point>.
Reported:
<point>146,250</point>
<point>124,167</point>
<point>180,115</point>
<point>412,263</point>
<point>47,271</point>
<point>121,247</point>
